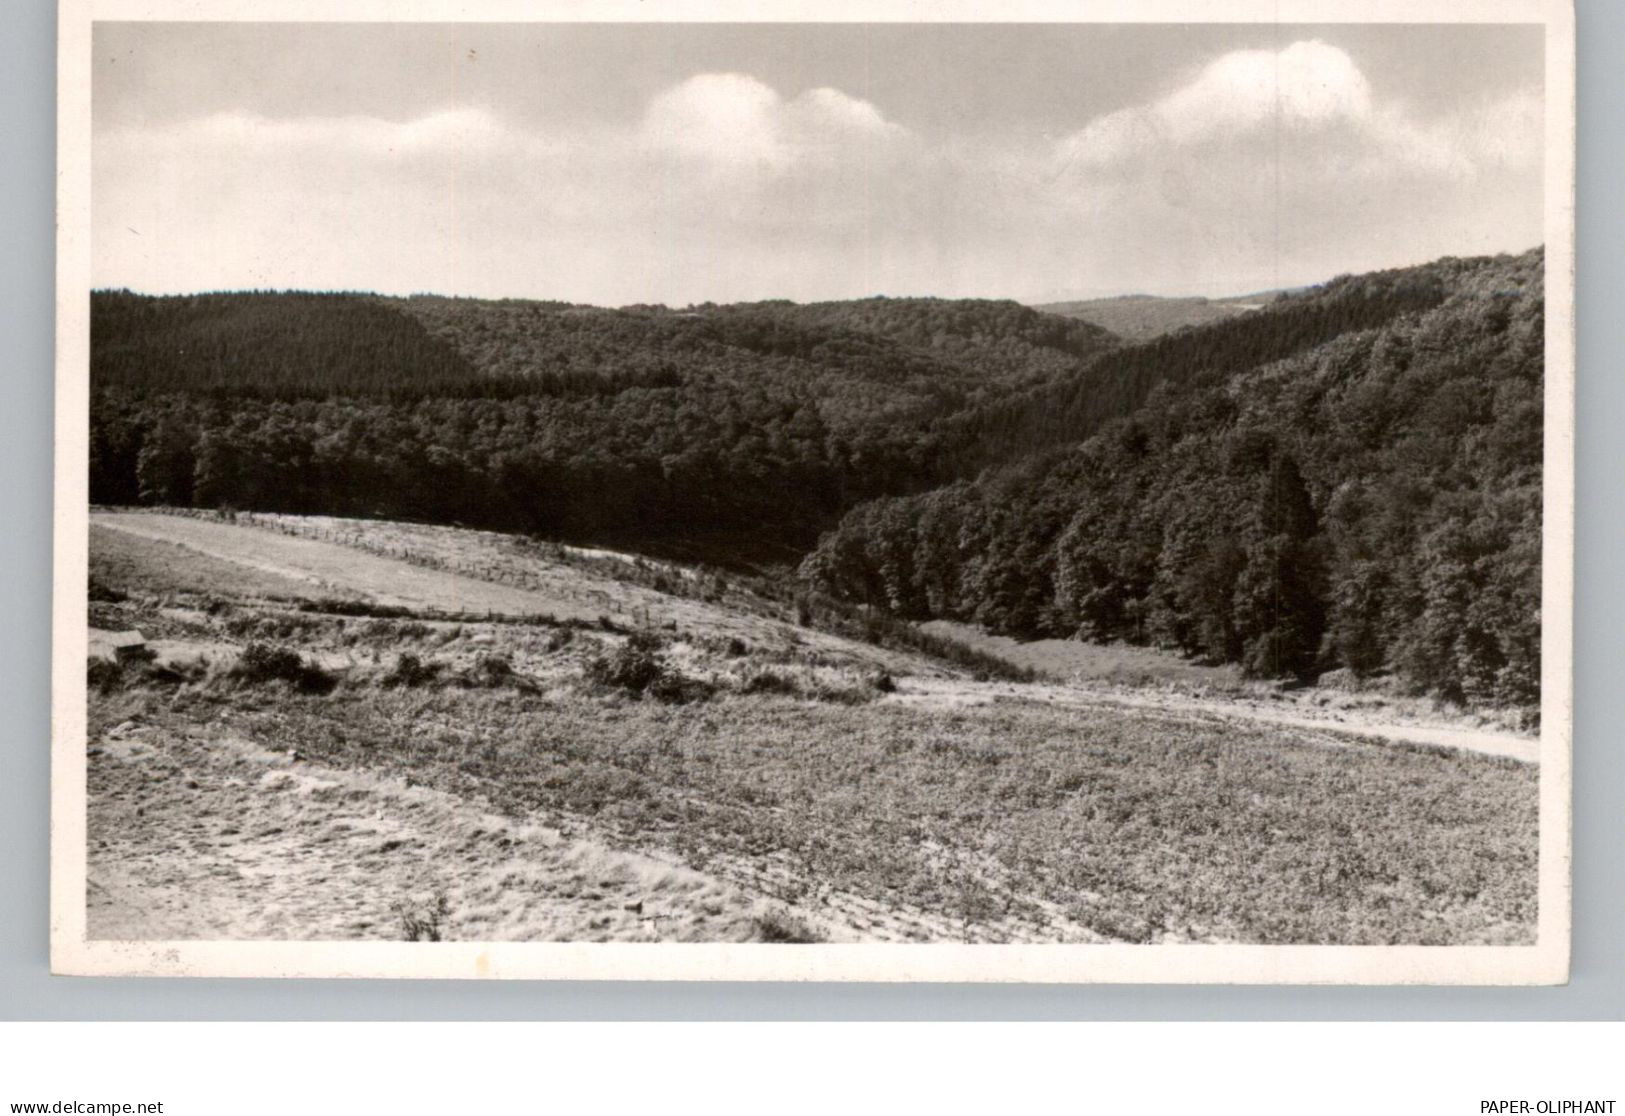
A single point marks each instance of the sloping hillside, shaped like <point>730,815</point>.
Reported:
<point>1369,499</point>
<point>1007,343</point>
<point>1070,407</point>
<point>361,729</point>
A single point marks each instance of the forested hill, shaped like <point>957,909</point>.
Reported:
<point>1067,408</point>
<point>741,433</point>
<point>1298,500</point>
<point>751,426</point>
<point>1009,343</point>
<point>265,345</point>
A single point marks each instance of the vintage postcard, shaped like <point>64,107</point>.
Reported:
<point>815,491</point>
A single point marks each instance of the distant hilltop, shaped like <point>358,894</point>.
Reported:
<point>1140,317</point>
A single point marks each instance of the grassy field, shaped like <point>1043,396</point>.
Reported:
<point>1073,660</point>
<point>744,776</point>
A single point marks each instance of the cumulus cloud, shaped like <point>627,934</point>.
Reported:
<point>1262,165</point>
<point>734,120</point>
<point>1269,166</point>
<point>1310,102</point>
<point>1307,85</point>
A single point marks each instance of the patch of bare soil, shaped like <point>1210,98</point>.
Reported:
<point>203,834</point>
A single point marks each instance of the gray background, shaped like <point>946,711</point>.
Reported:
<point>27,991</point>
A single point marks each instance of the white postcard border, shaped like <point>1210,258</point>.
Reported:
<point>1546,962</point>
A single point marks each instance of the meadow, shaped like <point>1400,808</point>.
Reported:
<point>583,746</point>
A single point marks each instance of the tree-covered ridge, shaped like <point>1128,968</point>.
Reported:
<point>266,345</point>
<point>1069,407</point>
<point>760,422</point>
<point>1372,503</point>
<point>1006,341</point>
<point>535,349</point>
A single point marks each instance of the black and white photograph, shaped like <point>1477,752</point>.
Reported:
<point>835,497</point>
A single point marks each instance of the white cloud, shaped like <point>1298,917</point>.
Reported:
<point>733,120</point>
<point>1263,165</point>
<point>1306,85</point>
<point>1305,105</point>
<point>1272,167</point>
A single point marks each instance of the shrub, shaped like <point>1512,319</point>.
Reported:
<point>423,922</point>
<point>106,593</point>
<point>492,672</point>
<point>261,662</point>
<point>103,675</point>
<point>411,671</point>
<point>677,689</point>
<point>636,667</point>
<point>779,925</point>
<point>770,682</point>
<point>632,667</point>
<point>884,683</point>
<point>495,670</point>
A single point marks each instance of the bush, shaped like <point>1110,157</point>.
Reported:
<point>632,667</point>
<point>491,672</point>
<point>636,667</point>
<point>106,593</point>
<point>677,689</point>
<point>779,925</point>
<point>770,682</point>
<point>411,671</point>
<point>103,675</point>
<point>261,662</point>
<point>424,922</point>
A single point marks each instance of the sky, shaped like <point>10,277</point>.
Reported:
<point>619,164</point>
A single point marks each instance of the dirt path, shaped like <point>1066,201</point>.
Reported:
<point>1337,725</point>
<point>1144,678</point>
